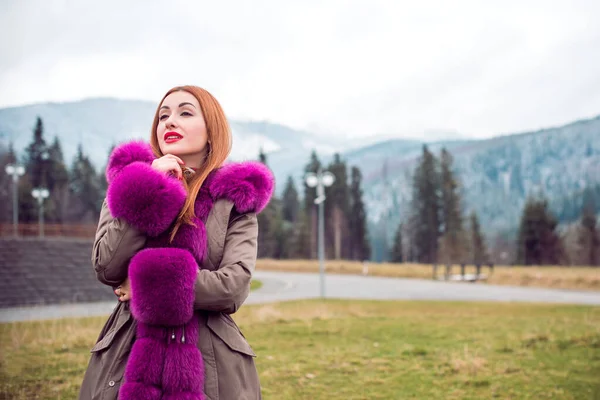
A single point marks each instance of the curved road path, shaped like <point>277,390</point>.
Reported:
<point>281,286</point>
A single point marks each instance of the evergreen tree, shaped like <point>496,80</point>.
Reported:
<point>397,252</point>
<point>479,255</point>
<point>361,249</point>
<point>310,194</point>
<point>453,240</point>
<point>270,229</point>
<point>262,157</point>
<point>86,200</point>
<point>57,205</point>
<point>589,234</point>
<point>538,242</point>
<point>291,204</point>
<point>269,225</point>
<point>426,209</point>
<point>300,246</point>
<point>37,157</point>
<point>28,205</point>
<point>337,208</point>
<point>7,156</point>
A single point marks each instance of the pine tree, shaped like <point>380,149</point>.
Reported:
<point>86,199</point>
<point>262,157</point>
<point>58,179</point>
<point>397,253</point>
<point>337,208</point>
<point>269,225</point>
<point>270,244</point>
<point>589,234</point>
<point>300,246</point>
<point>291,204</point>
<point>37,157</point>
<point>453,240</point>
<point>479,255</point>
<point>310,194</point>
<point>426,209</point>
<point>7,156</point>
<point>538,242</point>
<point>361,249</point>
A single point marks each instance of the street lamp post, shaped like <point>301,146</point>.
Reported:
<point>321,180</point>
<point>40,194</point>
<point>15,171</point>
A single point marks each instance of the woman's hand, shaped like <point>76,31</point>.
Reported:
<point>123,292</point>
<point>169,164</point>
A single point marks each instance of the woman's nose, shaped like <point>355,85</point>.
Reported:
<point>170,123</point>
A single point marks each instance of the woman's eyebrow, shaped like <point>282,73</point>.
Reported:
<point>180,105</point>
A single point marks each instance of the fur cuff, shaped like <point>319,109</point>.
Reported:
<point>145,198</point>
<point>162,286</point>
<point>125,154</point>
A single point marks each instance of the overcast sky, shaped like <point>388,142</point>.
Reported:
<point>354,68</point>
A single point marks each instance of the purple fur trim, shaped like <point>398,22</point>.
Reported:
<point>249,185</point>
<point>192,238</point>
<point>151,332</point>
<point>139,391</point>
<point>203,203</point>
<point>124,155</point>
<point>145,364</point>
<point>162,283</point>
<point>145,198</point>
<point>190,378</point>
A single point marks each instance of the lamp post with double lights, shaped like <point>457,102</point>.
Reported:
<point>16,171</point>
<point>320,180</point>
<point>40,194</point>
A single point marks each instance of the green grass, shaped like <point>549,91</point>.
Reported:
<point>255,284</point>
<point>360,350</point>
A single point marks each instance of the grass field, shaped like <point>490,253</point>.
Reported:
<point>360,350</point>
<point>586,278</point>
<point>255,284</point>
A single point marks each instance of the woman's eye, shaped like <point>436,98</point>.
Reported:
<point>186,113</point>
<point>163,117</point>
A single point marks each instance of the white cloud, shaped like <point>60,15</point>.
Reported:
<point>357,68</point>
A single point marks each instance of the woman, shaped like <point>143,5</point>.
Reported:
<point>177,236</point>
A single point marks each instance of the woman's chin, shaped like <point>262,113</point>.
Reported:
<point>172,148</point>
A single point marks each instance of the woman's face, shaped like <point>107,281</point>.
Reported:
<point>181,129</point>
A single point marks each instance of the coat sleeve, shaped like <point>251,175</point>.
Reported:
<point>226,289</point>
<point>115,243</point>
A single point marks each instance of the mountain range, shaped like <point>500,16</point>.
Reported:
<point>496,174</point>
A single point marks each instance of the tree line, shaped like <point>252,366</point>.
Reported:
<point>76,192</point>
<point>437,230</point>
<point>288,226</point>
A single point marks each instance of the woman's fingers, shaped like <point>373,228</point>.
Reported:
<point>177,166</point>
<point>168,164</point>
<point>125,297</point>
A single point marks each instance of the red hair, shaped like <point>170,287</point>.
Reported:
<point>219,147</point>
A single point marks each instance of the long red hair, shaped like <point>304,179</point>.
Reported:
<point>219,147</point>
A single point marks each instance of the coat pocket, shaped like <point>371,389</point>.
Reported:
<point>109,337</point>
<point>229,333</point>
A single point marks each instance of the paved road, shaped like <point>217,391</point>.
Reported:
<point>280,286</point>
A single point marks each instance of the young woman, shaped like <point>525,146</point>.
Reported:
<point>177,237</point>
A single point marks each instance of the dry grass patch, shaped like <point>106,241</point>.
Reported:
<point>586,278</point>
